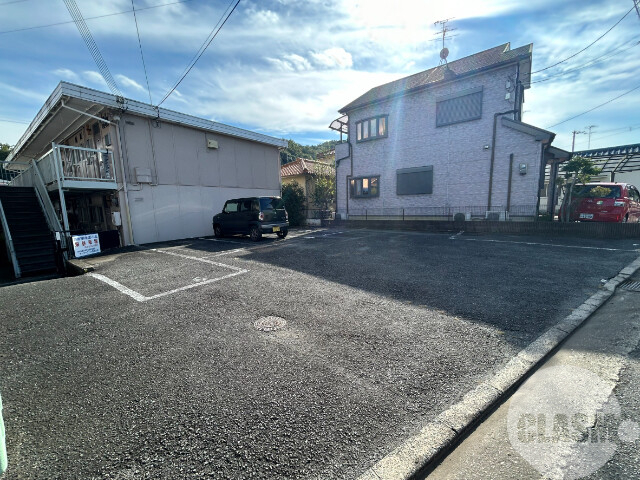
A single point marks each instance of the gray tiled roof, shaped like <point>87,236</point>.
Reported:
<point>478,61</point>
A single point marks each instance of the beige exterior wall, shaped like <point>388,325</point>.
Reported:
<point>299,179</point>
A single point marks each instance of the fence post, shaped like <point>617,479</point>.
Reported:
<point>403,214</point>
<point>365,215</point>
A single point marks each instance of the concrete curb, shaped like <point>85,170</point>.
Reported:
<point>77,266</point>
<point>433,441</point>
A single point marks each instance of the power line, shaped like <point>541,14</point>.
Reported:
<point>585,48</point>
<point>195,60</point>
<point>89,18</point>
<point>13,121</point>
<point>590,63</point>
<point>624,130</point>
<point>14,1</point>
<point>204,44</point>
<point>91,45</point>
<point>594,108</point>
<point>144,65</point>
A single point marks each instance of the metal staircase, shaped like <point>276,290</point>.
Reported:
<point>27,233</point>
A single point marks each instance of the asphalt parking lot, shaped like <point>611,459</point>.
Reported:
<point>152,366</point>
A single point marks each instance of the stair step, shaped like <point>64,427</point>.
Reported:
<point>18,200</point>
<point>28,239</point>
<point>42,268</point>
<point>41,229</point>
<point>35,255</point>
<point>33,248</point>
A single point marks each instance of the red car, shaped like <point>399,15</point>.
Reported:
<point>605,202</point>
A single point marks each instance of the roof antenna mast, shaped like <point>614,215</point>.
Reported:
<point>444,31</point>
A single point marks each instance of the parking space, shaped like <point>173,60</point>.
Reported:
<point>156,366</point>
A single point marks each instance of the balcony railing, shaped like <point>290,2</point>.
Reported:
<point>86,164</point>
<point>67,167</point>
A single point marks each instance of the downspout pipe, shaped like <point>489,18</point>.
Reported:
<point>510,179</point>
<point>124,182</point>
<point>493,152</point>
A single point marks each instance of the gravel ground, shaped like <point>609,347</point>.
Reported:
<point>384,331</point>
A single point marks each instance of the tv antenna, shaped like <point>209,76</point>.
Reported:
<point>444,30</point>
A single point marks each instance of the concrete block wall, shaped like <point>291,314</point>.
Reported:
<point>460,161</point>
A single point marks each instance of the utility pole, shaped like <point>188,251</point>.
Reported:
<point>573,143</point>
<point>590,127</point>
<point>636,3</point>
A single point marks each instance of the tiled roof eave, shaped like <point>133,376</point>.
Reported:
<point>349,107</point>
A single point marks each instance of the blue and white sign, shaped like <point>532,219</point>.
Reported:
<point>85,245</point>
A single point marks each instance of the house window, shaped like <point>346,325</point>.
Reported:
<point>365,187</point>
<point>414,181</point>
<point>459,107</point>
<point>372,128</point>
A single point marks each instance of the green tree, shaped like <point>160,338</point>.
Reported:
<point>577,171</point>
<point>293,197</point>
<point>295,150</point>
<point>324,189</point>
<point>5,148</point>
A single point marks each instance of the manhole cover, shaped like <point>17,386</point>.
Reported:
<point>631,285</point>
<point>270,323</point>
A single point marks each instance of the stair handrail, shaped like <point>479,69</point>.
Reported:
<point>9,242</point>
<point>43,198</point>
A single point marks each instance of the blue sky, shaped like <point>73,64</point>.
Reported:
<point>285,67</point>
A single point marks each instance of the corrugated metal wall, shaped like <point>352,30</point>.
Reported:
<point>190,182</point>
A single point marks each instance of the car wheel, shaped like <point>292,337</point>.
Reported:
<point>255,234</point>
<point>282,233</point>
<point>217,231</point>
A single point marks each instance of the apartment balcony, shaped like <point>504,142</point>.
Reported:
<point>72,168</point>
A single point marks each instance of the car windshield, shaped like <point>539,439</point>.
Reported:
<point>268,203</point>
<point>598,191</point>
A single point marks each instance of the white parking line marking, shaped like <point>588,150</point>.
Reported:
<point>548,244</point>
<point>199,259</point>
<point>118,286</point>
<point>143,298</point>
<point>194,285</point>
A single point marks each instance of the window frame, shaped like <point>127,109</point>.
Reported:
<point>366,122</point>
<point>237,202</point>
<point>352,186</point>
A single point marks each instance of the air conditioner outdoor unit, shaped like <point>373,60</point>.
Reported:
<point>460,215</point>
<point>496,215</point>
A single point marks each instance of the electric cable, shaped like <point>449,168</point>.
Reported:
<point>92,47</point>
<point>596,107</point>
<point>585,48</point>
<point>144,65</point>
<point>88,18</point>
<point>201,53</point>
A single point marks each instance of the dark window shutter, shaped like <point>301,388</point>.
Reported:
<point>414,181</point>
<point>459,109</point>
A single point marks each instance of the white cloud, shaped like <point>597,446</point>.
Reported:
<point>291,63</point>
<point>66,74</point>
<point>94,77</point>
<point>333,57</point>
<point>127,82</point>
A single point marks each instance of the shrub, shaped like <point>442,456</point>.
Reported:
<point>293,197</point>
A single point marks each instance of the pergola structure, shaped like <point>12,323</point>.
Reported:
<point>611,160</point>
<point>625,158</point>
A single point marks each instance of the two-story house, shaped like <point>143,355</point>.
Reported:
<point>444,141</point>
